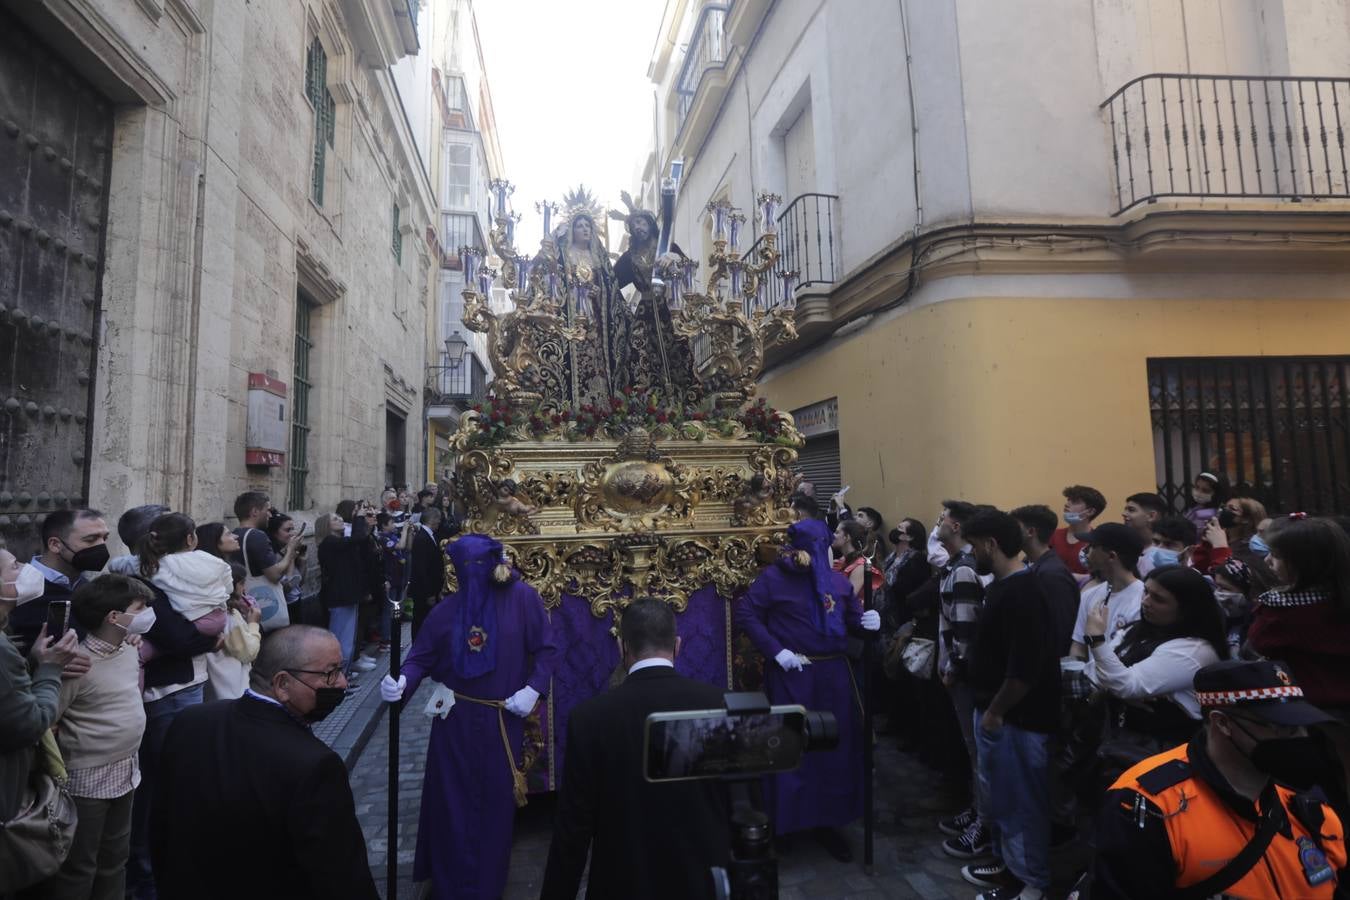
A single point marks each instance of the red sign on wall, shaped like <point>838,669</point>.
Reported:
<point>266,431</point>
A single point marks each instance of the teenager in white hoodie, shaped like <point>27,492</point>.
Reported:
<point>196,583</point>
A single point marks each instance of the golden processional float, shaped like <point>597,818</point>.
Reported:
<point>608,463</point>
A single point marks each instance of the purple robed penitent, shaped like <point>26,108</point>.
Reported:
<point>468,809</point>
<point>782,610</point>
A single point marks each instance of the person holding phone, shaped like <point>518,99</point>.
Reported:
<point>28,703</point>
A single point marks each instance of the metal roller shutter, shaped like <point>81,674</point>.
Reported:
<point>818,463</point>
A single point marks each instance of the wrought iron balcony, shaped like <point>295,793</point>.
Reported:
<point>708,49</point>
<point>459,230</point>
<point>806,246</point>
<point>1229,136</point>
<point>465,383</point>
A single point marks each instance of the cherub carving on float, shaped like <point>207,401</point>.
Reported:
<point>659,357</point>
<point>599,363</point>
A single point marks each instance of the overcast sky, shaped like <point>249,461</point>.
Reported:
<point>573,101</point>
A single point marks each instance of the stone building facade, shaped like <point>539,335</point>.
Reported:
<point>268,220</point>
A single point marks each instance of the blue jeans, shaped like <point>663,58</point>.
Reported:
<point>159,715</point>
<point>1014,782</point>
<point>342,622</point>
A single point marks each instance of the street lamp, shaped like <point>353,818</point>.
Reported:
<point>455,346</point>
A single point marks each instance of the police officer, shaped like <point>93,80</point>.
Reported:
<point>1215,815</point>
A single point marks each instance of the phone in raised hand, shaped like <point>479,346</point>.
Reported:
<point>58,619</point>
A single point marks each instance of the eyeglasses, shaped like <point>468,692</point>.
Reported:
<point>330,677</point>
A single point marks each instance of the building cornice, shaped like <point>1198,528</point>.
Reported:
<point>1157,241</point>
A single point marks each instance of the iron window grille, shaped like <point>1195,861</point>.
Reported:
<point>325,114</point>
<point>300,427</point>
<point>1277,427</point>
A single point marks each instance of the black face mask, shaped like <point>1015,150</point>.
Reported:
<point>1227,518</point>
<point>90,559</point>
<point>1299,762</point>
<point>326,699</point>
<point>1296,762</point>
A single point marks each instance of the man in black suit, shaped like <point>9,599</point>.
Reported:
<point>426,580</point>
<point>248,774</point>
<point>649,840</point>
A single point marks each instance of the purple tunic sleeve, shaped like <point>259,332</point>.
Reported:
<point>752,612</point>
<point>425,653</point>
<point>539,640</point>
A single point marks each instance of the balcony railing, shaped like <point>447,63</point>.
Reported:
<point>806,246</point>
<point>466,383</point>
<point>1230,136</point>
<point>708,48</point>
<point>459,230</point>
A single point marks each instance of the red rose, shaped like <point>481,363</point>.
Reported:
<point>616,403</point>
<point>478,407</point>
<point>662,417</point>
<point>566,414</point>
<point>556,419</point>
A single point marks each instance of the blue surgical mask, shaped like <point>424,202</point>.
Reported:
<point>1073,518</point>
<point>1161,556</point>
<point>1258,545</point>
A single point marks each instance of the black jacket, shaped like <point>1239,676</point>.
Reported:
<point>245,774</point>
<point>653,841</point>
<point>176,641</point>
<point>427,565</point>
<point>1061,596</point>
<point>352,571</point>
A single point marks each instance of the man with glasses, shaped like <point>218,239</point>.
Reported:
<point>1224,814</point>
<point>248,773</point>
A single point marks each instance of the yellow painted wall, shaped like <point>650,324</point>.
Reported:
<point>1006,401</point>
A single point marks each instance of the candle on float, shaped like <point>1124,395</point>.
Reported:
<point>768,205</point>
<point>485,281</point>
<point>468,261</point>
<point>522,273</point>
<point>736,231</point>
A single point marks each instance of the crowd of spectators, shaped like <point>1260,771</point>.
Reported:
<point>1037,662</point>
<point>100,655</point>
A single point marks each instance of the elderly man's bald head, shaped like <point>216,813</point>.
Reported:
<point>293,648</point>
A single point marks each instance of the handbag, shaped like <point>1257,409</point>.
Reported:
<point>918,657</point>
<point>36,841</point>
<point>271,597</point>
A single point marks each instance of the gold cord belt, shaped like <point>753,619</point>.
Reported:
<point>518,787</point>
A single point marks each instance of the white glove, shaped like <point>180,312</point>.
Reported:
<point>441,702</point>
<point>788,661</point>
<point>522,702</point>
<point>871,620</point>
<point>391,691</point>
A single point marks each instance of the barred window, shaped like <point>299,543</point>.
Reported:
<point>325,114</point>
<point>300,427</point>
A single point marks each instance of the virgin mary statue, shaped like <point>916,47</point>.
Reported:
<point>597,364</point>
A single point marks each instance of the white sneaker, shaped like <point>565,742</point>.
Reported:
<point>364,663</point>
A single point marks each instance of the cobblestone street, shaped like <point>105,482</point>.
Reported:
<point>909,858</point>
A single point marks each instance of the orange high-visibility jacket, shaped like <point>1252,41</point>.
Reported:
<point>1205,833</point>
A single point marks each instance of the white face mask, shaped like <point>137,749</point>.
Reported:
<point>29,585</point>
<point>142,622</point>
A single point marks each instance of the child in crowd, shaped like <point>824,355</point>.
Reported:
<point>196,583</point>
<point>1210,492</point>
<point>227,669</point>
